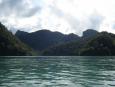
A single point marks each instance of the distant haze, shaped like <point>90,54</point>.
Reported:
<point>66,16</point>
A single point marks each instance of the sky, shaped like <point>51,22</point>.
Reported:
<point>66,16</point>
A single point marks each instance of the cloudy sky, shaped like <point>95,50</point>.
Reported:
<point>66,16</point>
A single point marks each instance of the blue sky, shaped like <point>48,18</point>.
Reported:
<point>66,16</point>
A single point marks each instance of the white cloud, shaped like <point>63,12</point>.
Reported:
<point>59,15</point>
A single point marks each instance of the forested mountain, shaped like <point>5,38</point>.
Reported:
<point>89,33</point>
<point>10,45</point>
<point>101,44</point>
<point>92,43</point>
<point>43,39</point>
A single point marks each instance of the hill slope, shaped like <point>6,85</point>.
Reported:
<point>71,48</point>
<point>102,44</point>
<point>92,43</point>
<point>89,33</point>
<point>10,45</point>
<point>43,39</point>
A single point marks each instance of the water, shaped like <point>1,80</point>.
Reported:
<point>57,72</point>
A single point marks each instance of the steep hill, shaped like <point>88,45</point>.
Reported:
<point>102,45</point>
<point>71,48</point>
<point>10,45</point>
<point>89,33</point>
<point>43,39</point>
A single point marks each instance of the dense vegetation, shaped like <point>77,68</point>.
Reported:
<point>71,48</point>
<point>92,43</point>
<point>102,44</point>
<point>48,43</point>
<point>10,45</point>
<point>43,39</point>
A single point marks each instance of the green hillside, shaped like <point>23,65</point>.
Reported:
<point>10,45</point>
<point>102,44</point>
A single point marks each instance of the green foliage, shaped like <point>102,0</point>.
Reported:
<point>43,39</point>
<point>66,49</point>
<point>102,45</point>
<point>12,46</point>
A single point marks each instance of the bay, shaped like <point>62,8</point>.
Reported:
<point>63,71</point>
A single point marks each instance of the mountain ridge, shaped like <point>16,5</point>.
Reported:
<point>43,39</point>
<point>48,43</point>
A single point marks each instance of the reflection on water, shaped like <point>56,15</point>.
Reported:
<point>57,72</point>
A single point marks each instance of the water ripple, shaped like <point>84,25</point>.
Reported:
<point>57,72</point>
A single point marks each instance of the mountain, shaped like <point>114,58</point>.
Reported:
<point>71,48</point>
<point>102,45</point>
<point>12,46</point>
<point>43,39</point>
<point>97,44</point>
<point>92,43</point>
<point>89,33</point>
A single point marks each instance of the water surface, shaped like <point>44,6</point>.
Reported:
<point>57,72</point>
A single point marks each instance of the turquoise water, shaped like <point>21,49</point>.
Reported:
<point>57,72</point>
